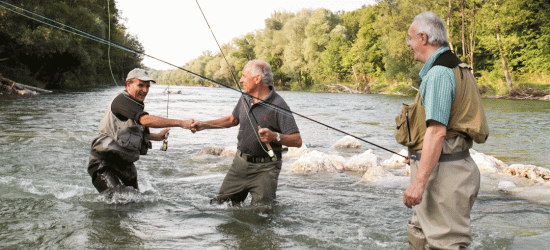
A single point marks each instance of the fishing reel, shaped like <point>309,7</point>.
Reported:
<point>164,144</point>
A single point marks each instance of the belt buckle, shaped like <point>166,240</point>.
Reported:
<point>413,157</point>
<point>244,156</point>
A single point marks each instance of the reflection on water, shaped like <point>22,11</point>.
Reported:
<point>47,199</point>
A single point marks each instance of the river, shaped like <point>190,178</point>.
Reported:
<point>47,200</point>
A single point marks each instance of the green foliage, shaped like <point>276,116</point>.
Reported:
<point>331,64</point>
<point>38,54</point>
<point>312,49</point>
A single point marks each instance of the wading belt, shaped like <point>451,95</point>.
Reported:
<point>255,159</point>
<point>444,157</point>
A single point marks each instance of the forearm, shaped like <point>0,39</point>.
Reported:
<point>225,122</point>
<point>431,151</point>
<point>268,136</point>
<point>160,122</point>
<point>156,137</point>
<point>292,140</point>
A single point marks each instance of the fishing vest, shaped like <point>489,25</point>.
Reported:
<point>120,140</point>
<point>467,118</point>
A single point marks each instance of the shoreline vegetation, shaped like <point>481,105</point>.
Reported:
<point>316,50</point>
<point>365,50</point>
<point>9,87</point>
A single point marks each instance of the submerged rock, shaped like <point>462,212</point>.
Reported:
<point>230,152</point>
<point>215,150</point>
<point>211,150</point>
<point>377,173</point>
<point>487,163</point>
<point>362,162</point>
<point>317,162</point>
<point>297,152</point>
<point>396,161</point>
<point>347,142</point>
<point>537,174</point>
<point>506,185</point>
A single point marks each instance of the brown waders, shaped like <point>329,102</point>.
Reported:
<point>442,219</point>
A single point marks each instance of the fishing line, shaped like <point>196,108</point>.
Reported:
<point>164,146</point>
<point>109,46</point>
<point>245,102</point>
<point>101,40</point>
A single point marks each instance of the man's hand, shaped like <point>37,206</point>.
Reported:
<point>196,126</point>
<point>188,124</point>
<point>413,194</point>
<point>164,133</point>
<point>266,135</point>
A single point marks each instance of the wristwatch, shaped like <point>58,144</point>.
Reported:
<point>278,137</point>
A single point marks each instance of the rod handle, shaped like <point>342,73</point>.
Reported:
<point>269,150</point>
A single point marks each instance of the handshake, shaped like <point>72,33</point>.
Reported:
<point>195,126</point>
<point>265,134</point>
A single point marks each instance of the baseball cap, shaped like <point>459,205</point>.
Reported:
<point>140,74</point>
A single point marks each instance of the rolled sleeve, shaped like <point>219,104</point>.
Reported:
<point>124,108</point>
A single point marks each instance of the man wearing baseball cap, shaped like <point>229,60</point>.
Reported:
<point>124,136</point>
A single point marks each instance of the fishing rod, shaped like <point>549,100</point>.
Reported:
<point>164,146</point>
<point>101,40</point>
<point>287,110</point>
<point>243,99</point>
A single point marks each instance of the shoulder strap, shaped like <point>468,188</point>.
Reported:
<point>447,59</point>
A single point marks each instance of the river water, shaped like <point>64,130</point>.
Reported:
<point>47,200</point>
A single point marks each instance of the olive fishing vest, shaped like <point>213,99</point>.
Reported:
<point>120,140</point>
<point>467,118</point>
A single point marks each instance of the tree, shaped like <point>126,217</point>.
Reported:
<point>39,54</point>
<point>270,43</point>
<point>331,64</point>
<point>293,36</point>
<point>365,54</point>
<point>393,21</point>
<point>317,31</point>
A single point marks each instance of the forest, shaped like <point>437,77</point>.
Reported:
<point>506,41</point>
<point>37,54</point>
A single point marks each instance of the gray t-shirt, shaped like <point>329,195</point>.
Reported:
<point>268,115</point>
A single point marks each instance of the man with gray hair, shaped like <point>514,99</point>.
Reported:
<point>439,129</point>
<point>253,170</point>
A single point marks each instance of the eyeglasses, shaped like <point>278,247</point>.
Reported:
<point>407,39</point>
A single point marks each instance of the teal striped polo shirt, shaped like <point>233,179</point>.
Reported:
<point>437,89</point>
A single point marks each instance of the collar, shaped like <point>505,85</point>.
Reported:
<point>269,96</point>
<point>428,65</point>
<point>125,93</point>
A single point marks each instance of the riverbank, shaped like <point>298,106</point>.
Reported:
<point>9,87</point>
<point>523,94</point>
<point>515,94</point>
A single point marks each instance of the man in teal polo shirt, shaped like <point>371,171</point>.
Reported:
<point>445,179</point>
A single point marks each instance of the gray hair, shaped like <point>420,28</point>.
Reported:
<point>434,28</point>
<point>262,68</point>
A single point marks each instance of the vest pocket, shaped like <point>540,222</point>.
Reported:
<point>134,138</point>
<point>410,125</point>
<point>130,138</point>
<point>403,127</point>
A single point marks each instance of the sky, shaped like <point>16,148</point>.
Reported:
<point>175,30</point>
